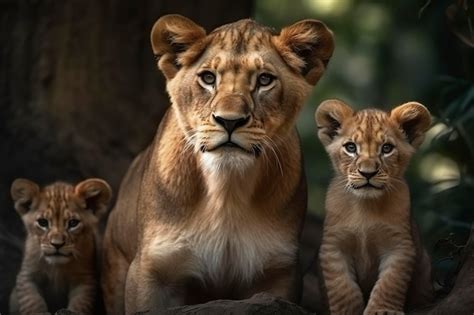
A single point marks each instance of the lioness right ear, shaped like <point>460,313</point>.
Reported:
<point>306,46</point>
<point>329,117</point>
<point>171,35</point>
<point>23,192</point>
<point>96,193</point>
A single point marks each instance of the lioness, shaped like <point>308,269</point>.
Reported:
<point>214,206</point>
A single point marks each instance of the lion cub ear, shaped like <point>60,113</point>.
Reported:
<point>96,193</point>
<point>329,117</point>
<point>306,46</point>
<point>414,120</point>
<point>171,35</point>
<point>24,192</point>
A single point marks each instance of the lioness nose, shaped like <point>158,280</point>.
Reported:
<point>231,124</point>
<point>368,175</point>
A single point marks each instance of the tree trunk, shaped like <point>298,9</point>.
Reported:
<point>80,93</point>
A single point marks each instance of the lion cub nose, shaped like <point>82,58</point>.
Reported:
<point>368,175</point>
<point>231,124</point>
<point>57,242</point>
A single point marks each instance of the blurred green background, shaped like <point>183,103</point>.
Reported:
<point>388,53</point>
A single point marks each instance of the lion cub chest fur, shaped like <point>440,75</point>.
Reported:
<point>363,240</point>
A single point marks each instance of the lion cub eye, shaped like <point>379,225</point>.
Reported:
<point>207,77</point>
<point>42,222</point>
<point>72,223</point>
<point>265,79</point>
<point>350,147</point>
<point>387,148</point>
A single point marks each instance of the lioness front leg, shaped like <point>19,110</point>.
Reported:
<point>114,273</point>
<point>279,282</point>
<point>150,288</point>
<point>344,295</point>
<point>389,292</point>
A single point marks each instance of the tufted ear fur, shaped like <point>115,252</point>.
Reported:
<point>96,193</point>
<point>171,35</point>
<point>24,192</point>
<point>306,46</point>
<point>414,120</point>
<point>329,117</point>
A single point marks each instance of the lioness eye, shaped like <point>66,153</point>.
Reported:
<point>43,222</point>
<point>72,223</point>
<point>387,148</point>
<point>208,77</point>
<point>350,147</point>
<point>265,79</point>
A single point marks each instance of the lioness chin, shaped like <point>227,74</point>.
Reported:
<point>214,206</point>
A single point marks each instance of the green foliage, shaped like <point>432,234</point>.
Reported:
<point>445,204</point>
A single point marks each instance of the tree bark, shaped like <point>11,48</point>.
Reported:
<point>80,93</point>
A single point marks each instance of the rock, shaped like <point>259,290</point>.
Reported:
<point>461,298</point>
<point>261,304</point>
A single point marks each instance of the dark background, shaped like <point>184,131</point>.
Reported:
<point>80,94</point>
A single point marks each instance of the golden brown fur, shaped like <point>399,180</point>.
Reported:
<point>59,267</point>
<point>370,247</point>
<point>213,208</point>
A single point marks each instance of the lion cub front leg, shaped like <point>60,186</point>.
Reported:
<point>26,299</point>
<point>389,292</point>
<point>82,297</point>
<point>344,295</point>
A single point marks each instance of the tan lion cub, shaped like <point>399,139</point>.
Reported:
<point>59,262</point>
<point>370,248</point>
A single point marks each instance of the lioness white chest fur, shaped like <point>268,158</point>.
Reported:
<point>214,207</point>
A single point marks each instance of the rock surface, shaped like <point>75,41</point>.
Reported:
<point>261,303</point>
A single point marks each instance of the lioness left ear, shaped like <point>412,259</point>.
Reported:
<point>413,119</point>
<point>96,193</point>
<point>171,35</point>
<point>306,46</point>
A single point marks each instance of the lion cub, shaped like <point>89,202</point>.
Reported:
<point>371,253</point>
<point>59,262</point>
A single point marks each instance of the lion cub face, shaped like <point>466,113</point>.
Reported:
<point>238,90</point>
<point>371,148</point>
<point>61,218</point>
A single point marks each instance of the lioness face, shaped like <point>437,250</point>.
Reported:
<point>60,219</point>
<point>238,90</point>
<point>370,148</point>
